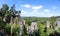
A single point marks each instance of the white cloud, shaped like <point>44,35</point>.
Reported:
<point>46,10</point>
<point>32,7</point>
<point>37,7</point>
<point>26,13</point>
<point>23,12</point>
<point>36,14</point>
<point>35,11</point>
<point>26,6</point>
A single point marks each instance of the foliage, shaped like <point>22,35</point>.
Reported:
<point>5,17</point>
<point>7,29</point>
<point>24,31</point>
<point>15,29</point>
<point>41,29</point>
<point>52,22</point>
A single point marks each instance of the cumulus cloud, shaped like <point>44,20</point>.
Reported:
<point>37,7</point>
<point>35,11</point>
<point>46,10</point>
<point>26,13</point>
<point>26,6</point>
<point>36,14</point>
<point>32,7</point>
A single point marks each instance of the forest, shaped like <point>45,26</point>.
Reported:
<point>12,24</point>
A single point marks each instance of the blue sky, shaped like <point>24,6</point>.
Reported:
<point>37,8</point>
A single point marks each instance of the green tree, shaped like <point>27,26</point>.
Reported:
<point>52,22</point>
<point>6,14</point>
<point>41,29</point>
<point>3,14</point>
<point>4,10</point>
<point>7,29</point>
<point>15,30</point>
<point>24,33</point>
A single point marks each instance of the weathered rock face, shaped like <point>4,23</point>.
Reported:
<point>21,24</point>
<point>58,23</point>
<point>48,24</point>
<point>33,27</point>
<point>8,19</point>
